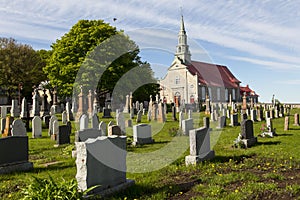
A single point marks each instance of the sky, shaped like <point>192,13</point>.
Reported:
<point>257,40</point>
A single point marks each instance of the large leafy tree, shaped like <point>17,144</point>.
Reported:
<point>20,68</point>
<point>95,55</point>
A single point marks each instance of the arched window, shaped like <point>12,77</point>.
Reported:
<point>177,80</point>
<point>233,94</point>
<point>226,94</point>
<point>218,94</point>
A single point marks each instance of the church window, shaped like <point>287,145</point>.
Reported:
<point>177,80</point>
<point>209,93</point>
<point>226,94</point>
<point>218,94</point>
<point>203,93</point>
<point>233,94</point>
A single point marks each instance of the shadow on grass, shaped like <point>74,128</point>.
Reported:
<point>237,159</point>
<point>285,134</point>
<point>268,143</point>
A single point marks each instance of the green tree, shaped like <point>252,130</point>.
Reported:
<point>20,65</point>
<point>95,55</point>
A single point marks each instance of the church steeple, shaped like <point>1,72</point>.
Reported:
<point>183,51</point>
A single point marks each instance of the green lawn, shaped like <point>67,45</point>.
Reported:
<point>269,170</point>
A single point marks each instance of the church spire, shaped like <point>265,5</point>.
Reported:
<point>183,51</point>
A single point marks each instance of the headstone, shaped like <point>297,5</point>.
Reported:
<point>269,124</point>
<point>267,114</point>
<point>107,113</point>
<point>206,122</point>
<point>15,110</point>
<point>190,115</point>
<point>127,105</point>
<point>2,124</point>
<point>36,127</point>
<point>114,130</point>
<point>131,113</point>
<point>24,108</point>
<point>102,128</point>
<point>83,135</point>
<point>286,123</point>
<point>35,104</point>
<point>244,116</point>
<point>128,123</point>
<point>154,111</point>
<point>174,113</point>
<point>161,113</point>
<point>228,114</point>
<point>95,121</point>
<point>46,119</point>
<point>181,118</point>
<point>52,119</point>
<point>213,116</point>
<point>247,133</point>
<point>149,115</point>
<point>63,136</point>
<point>121,122</point>
<point>234,120</point>
<point>52,110</point>
<point>64,117</point>
<point>276,113</point>
<point>44,107</point>
<point>90,103</point>
<point>187,125</point>
<point>296,119</point>
<point>83,122</point>
<point>18,128</point>
<point>14,154</point>
<point>142,134</point>
<point>55,130</point>
<point>139,117</point>
<point>253,115</point>
<point>110,123</point>
<point>199,146</point>
<point>3,111</point>
<point>221,122</point>
<point>98,166</point>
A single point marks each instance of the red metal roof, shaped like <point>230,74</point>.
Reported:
<point>249,92</point>
<point>213,75</point>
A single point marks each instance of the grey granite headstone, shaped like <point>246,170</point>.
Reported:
<point>142,134</point>
<point>64,117</point>
<point>187,125</point>
<point>55,129</point>
<point>102,128</point>
<point>253,115</point>
<point>199,146</point>
<point>139,117</point>
<point>121,122</point>
<point>221,122</point>
<point>101,161</point>
<point>95,121</point>
<point>248,133</point>
<point>83,135</point>
<point>15,110</point>
<point>18,128</point>
<point>234,120</point>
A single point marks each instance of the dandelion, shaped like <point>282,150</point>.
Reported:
<point>236,191</point>
<point>291,158</point>
<point>180,193</point>
<point>9,196</point>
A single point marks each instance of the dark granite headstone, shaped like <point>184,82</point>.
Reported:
<point>247,129</point>
<point>106,113</point>
<point>63,136</point>
<point>46,119</point>
<point>206,123</point>
<point>174,113</point>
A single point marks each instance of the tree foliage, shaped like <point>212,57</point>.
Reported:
<point>96,56</point>
<point>19,64</point>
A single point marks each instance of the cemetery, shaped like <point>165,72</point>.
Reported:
<point>233,161</point>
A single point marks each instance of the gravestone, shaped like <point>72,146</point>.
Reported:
<point>114,130</point>
<point>276,113</point>
<point>55,129</point>
<point>96,166</point>
<point>110,123</point>
<point>15,110</point>
<point>35,104</point>
<point>18,128</point>
<point>102,128</point>
<point>190,114</point>
<point>228,114</point>
<point>161,113</point>
<point>187,125</point>
<point>14,154</point>
<point>213,117</point>
<point>199,146</point>
<point>221,122</point>
<point>267,114</point>
<point>63,136</point>
<point>244,116</point>
<point>95,121</point>
<point>247,133</point>
<point>174,113</point>
<point>234,120</point>
<point>149,115</point>
<point>131,114</point>
<point>36,127</point>
<point>181,118</point>
<point>107,113</point>
<point>47,120</point>
<point>52,119</point>
<point>269,124</point>
<point>206,122</point>
<point>286,123</point>
<point>128,123</point>
<point>64,117</point>
<point>121,122</point>
<point>296,119</point>
<point>139,117</point>
<point>83,135</point>
<point>127,105</point>
<point>7,131</point>
<point>253,115</point>
<point>24,108</point>
<point>83,122</point>
<point>142,134</point>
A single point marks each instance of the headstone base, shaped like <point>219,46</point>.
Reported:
<point>249,142</point>
<point>24,166</point>
<point>109,191</point>
<point>53,137</point>
<point>144,141</point>
<point>193,160</point>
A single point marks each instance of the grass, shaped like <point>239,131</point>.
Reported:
<point>269,170</point>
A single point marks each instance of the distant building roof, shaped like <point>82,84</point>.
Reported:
<point>248,91</point>
<point>213,75</point>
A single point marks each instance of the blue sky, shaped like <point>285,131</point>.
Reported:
<point>258,40</point>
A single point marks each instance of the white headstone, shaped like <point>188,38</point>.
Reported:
<point>95,122</point>
<point>102,128</point>
<point>83,122</point>
<point>121,122</point>
<point>18,128</point>
<point>52,119</point>
<point>64,117</point>
<point>36,127</point>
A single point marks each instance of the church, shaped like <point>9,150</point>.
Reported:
<point>188,81</point>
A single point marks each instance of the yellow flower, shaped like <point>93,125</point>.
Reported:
<point>236,191</point>
<point>180,193</point>
<point>9,196</point>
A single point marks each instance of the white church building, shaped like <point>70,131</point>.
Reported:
<point>188,81</point>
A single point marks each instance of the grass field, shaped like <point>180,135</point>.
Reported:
<point>269,170</point>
